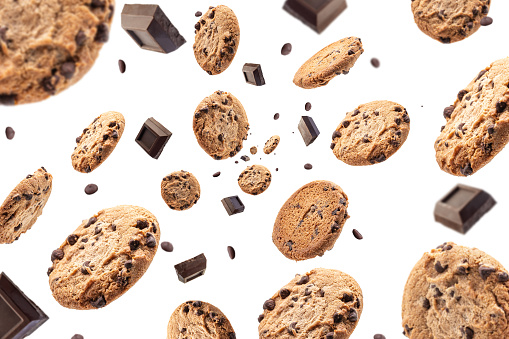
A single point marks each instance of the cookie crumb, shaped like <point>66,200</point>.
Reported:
<point>253,150</point>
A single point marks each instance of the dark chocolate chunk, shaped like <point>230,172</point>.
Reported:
<point>233,205</point>
<point>307,106</point>
<point>303,280</point>
<point>485,271</point>
<point>260,318</point>
<point>269,304</point>
<point>57,254</point>
<point>308,166</point>
<point>276,116</point>
<point>121,65</point>
<point>8,99</point>
<point>150,28</point>
<point>103,33</point>
<point>308,130</point>
<point>150,241</point>
<point>191,268</point>
<point>9,133</point>
<point>486,21</point>
<point>439,268</point>
<point>99,302</point>
<point>198,14</point>
<point>72,239</point>
<point>448,111</point>
<point>153,137</point>
<point>215,175</point>
<point>352,316</point>
<point>90,222</point>
<point>357,234</point>
<point>167,246</point>
<point>284,293</point>
<point>286,49</point>
<point>317,14</point>
<point>462,207</point>
<point>134,244</point>
<point>375,62</point>
<point>67,69</point>
<point>337,317</point>
<point>426,304</point>
<point>91,189</point>
<point>501,106</point>
<point>253,74</point>
<point>231,252</point>
<point>128,264</point>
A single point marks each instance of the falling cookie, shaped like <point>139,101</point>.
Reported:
<point>335,59</point>
<point>323,303</point>
<point>24,205</point>
<point>255,179</point>
<point>217,39</point>
<point>456,292</point>
<point>104,257</point>
<point>97,141</point>
<point>477,125</point>
<point>271,144</point>
<point>311,220</point>
<point>371,133</point>
<point>180,190</point>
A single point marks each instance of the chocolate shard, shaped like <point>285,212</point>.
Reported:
<point>191,268</point>
<point>150,28</point>
<point>233,205</point>
<point>308,130</point>
<point>253,74</point>
<point>317,14</point>
<point>462,207</point>
<point>19,316</point>
<point>153,137</point>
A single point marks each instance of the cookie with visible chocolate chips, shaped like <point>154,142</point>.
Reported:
<point>217,39</point>
<point>323,303</point>
<point>180,190</point>
<point>97,141</point>
<point>335,59</point>
<point>196,319</point>
<point>456,292</point>
<point>104,257</point>
<point>24,205</point>
<point>255,179</point>
<point>40,57</point>
<point>477,124</point>
<point>220,125</point>
<point>271,144</point>
<point>449,20</point>
<point>371,133</point>
<point>311,220</point>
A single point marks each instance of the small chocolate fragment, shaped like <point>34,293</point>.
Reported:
<point>231,252</point>
<point>276,116</point>
<point>77,336</point>
<point>317,14</point>
<point>167,246</point>
<point>9,133</point>
<point>286,49</point>
<point>378,336</point>
<point>307,106</point>
<point>486,21</point>
<point>153,137</point>
<point>91,189</point>
<point>150,28</point>
<point>121,66</point>
<point>253,74</point>
<point>215,175</point>
<point>375,62</point>
<point>233,205</point>
<point>462,207</point>
<point>198,14</point>
<point>191,268</point>
<point>308,130</point>
<point>19,316</point>
<point>308,166</point>
<point>357,234</point>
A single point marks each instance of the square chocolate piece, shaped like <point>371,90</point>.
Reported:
<point>191,268</point>
<point>308,130</point>
<point>19,316</point>
<point>233,205</point>
<point>150,28</point>
<point>153,137</point>
<point>462,207</point>
<point>317,14</point>
<point>253,74</point>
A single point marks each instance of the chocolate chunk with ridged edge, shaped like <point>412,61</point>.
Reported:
<point>253,74</point>
<point>191,268</point>
<point>233,205</point>
<point>308,130</point>
<point>152,137</point>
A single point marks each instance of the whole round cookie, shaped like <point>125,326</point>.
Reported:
<point>449,20</point>
<point>48,46</point>
<point>24,205</point>
<point>323,303</point>
<point>199,320</point>
<point>97,141</point>
<point>371,133</point>
<point>477,125</point>
<point>456,292</point>
<point>104,257</point>
<point>217,39</point>
<point>220,125</point>
<point>311,220</point>
<point>255,179</point>
<point>271,144</point>
<point>335,59</point>
<point>180,190</point>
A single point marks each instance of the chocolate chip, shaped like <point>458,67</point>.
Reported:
<point>232,335</point>
<point>491,129</point>
<point>481,73</point>
<point>426,304</point>
<point>448,111</point>
<point>276,116</point>
<point>502,276</point>
<point>337,318</point>
<point>406,118</point>
<point>336,134</point>
<point>308,166</point>
<point>485,271</point>
<point>49,83</point>
<point>286,49</point>
<point>284,293</point>
<point>461,94</point>
<point>128,264</point>
<point>91,189</point>
<point>72,239</point>
<point>150,241</point>
<point>307,107</point>
<point>303,280</point>
<point>468,332</point>
<point>439,268</point>
<point>352,316</point>
<point>347,298</point>
<point>345,123</point>
<point>99,302</point>
<point>186,309</point>
<point>67,69</point>
<point>198,14</point>
<point>90,222</point>
<point>84,267</point>
<point>260,318</point>
<point>215,175</point>
<point>121,66</point>
<point>357,234</point>
<point>167,246</point>
<point>50,269</point>
<point>27,196</point>
<point>231,252</point>
<point>269,304</point>
<point>77,336</point>
<point>102,33</point>
<point>134,244</point>
<point>141,224</point>
<point>486,21</point>
<point>9,133</point>
<point>80,38</point>
<point>375,62</point>
<point>57,254</point>
<point>445,40</point>
<point>397,121</point>
<point>197,303</point>
<point>461,270</point>
<point>501,106</point>
<point>467,170</point>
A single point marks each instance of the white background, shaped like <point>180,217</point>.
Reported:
<point>391,203</point>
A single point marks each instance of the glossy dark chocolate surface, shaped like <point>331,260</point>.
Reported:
<point>152,137</point>
<point>317,14</point>
<point>308,130</point>
<point>233,205</point>
<point>191,268</point>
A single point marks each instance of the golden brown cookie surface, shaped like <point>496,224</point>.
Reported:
<point>180,190</point>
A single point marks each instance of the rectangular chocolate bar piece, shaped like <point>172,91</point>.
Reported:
<point>192,268</point>
<point>19,316</point>
<point>308,130</point>
<point>233,205</point>
<point>153,137</point>
<point>317,14</point>
<point>462,207</point>
<point>253,74</point>
<point>150,28</point>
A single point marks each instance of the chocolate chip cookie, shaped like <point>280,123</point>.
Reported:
<point>24,205</point>
<point>320,304</point>
<point>271,144</point>
<point>97,141</point>
<point>180,190</point>
<point>449,20</point>
<point>477,125</point>
<point>45,47</point>
<point>335,59</point>
<point>220,125</point>
<point>456,292</point>
<point>255,179</point>
<point>104,257</point>
<point>371,133</point>
<point>311,220</point>
<point>217,39</point>
<point>199,320</point>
